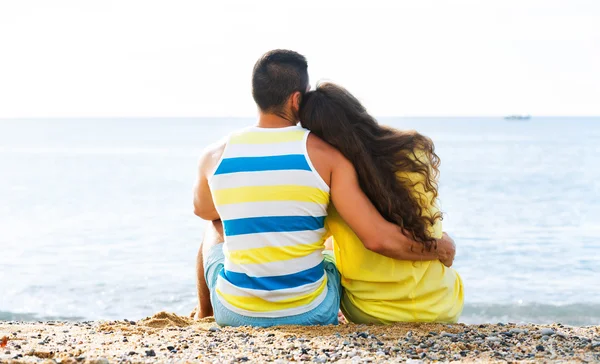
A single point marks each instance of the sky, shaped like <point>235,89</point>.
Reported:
<point>182,58</point>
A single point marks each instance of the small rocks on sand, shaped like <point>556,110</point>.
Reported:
<point>178,339</point>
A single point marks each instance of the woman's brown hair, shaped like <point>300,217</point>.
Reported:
<point>377,152</point>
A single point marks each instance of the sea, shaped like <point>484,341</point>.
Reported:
<point>96,216</point>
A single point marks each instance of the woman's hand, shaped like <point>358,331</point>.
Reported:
<point>446,250</point>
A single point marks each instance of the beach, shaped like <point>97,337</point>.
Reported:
<point>169,337</point>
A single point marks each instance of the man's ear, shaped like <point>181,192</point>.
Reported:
<point>296,100</point>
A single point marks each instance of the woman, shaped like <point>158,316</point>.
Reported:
<point>398,170</point>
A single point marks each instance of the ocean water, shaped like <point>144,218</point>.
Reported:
<point>96,215</point>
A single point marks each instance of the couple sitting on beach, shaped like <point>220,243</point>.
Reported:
<point>339,213</point>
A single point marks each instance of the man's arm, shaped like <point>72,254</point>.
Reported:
<point>204,206</point>
<point>376,233</point>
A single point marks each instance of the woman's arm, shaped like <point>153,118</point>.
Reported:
<point>376,233</point>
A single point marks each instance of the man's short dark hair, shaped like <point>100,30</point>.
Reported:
<point>278,74</point>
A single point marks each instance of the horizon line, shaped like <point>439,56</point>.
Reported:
<point>253,117</point>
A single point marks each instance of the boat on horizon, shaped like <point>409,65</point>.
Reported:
<point>517,117</point>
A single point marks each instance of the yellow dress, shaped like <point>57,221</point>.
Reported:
<point>378,289</point>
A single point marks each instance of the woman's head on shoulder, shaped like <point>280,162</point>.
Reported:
<point>379,153</point>
<point>332,112</point>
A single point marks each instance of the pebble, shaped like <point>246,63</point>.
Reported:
<point>562,336</point>
<point>545,338</point>
<point>547,331</point>
<point>447,334</point>
<point>214,329</point>
<point>493,338</point>
<point>595,344</point>
<point>80,358</point>
<point>321,359</point>
<point>150,353</point>
<point>540,348</point>
<point>98,361</point>
<point>517,331</point>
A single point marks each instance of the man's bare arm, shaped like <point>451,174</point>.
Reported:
<point>376,233</point>
<point>204,206</point>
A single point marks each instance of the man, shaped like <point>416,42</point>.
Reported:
<point>265,190</point>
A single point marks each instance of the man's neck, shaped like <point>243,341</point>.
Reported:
<point>274,121</point>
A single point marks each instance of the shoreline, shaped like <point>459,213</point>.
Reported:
<point>168,337</point>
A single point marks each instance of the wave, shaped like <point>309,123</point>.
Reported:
<point>570,314</point>
<point>29,317</point>
<point>580,314</point>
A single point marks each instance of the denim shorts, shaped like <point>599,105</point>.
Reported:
<point>324,314</point>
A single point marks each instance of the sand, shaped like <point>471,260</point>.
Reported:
<point>167,337</point>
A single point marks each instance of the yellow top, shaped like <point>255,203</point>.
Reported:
<point>378,289</point>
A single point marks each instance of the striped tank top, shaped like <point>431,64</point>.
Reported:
<point>273,204</point>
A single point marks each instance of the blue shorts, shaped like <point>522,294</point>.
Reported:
<point>324,314</point>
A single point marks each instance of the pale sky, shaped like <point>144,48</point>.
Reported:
<point>167,58</point>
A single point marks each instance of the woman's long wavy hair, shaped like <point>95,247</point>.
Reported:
<point>377,152</point>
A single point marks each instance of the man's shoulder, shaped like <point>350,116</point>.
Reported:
<point>211,155</point>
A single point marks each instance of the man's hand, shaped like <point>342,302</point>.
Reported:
<point>446,250</point>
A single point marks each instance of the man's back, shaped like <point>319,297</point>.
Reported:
<point>272,203</point>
